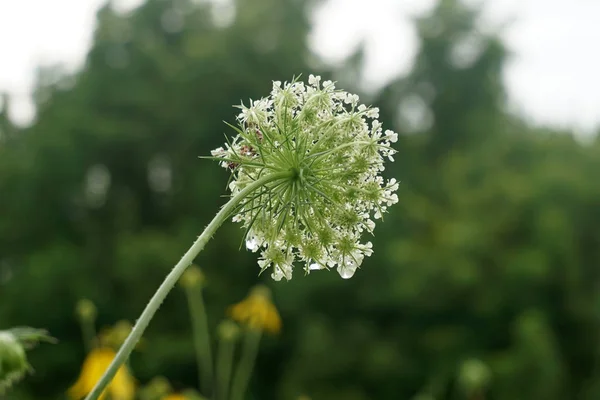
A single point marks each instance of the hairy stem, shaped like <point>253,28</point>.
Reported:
<point>172,278</point>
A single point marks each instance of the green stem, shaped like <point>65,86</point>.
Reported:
<point>88,331</point>
<point>201,338</point>
<point>340,147</point>
<point>224,363</point>
<point>246,364</point>
<point>173,277</point>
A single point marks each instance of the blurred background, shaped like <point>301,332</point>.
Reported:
<point>485,281</point>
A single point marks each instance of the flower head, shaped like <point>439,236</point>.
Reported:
<point>257,311</point>
<point>333,151</point>
<point>122,387</point>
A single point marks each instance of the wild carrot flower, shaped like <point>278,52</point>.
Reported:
<point>257,311</point>
<point>334,149</point>
<point>97,361</point>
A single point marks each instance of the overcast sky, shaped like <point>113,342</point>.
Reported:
<point>553,79</point>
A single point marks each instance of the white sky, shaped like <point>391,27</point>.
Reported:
<point>553,78</point>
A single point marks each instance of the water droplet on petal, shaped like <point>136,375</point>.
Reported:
<point>347,271</point>
<point>277,274</point>
<point>314,267</point>
<point>252,244</point>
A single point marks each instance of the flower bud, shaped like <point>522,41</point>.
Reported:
<point>474,375</point>
<point>120,331</point>
<point>86,310</point>
<point>158,388</point>
<point>13,360</point>
<point>261,291</point>
<point>192,277</point>
<point>114,336</point>
<point>228,330</point>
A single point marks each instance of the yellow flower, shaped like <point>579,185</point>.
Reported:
<point>257,311</point>
<point>122,386</point>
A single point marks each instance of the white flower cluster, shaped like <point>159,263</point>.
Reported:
<point>331,150</point>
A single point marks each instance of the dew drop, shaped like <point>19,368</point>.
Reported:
<point>277,274</point>
<point>252,244</point>
<point>314,267</point>
<point>347,271</point>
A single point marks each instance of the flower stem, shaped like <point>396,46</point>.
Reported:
<point>224,363</point>
<point>88,331</point>
<point>246,364</point>
<point>201,338</point>
<point>172,278</point>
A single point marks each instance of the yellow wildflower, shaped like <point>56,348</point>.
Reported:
<point>257,311</point>
<point>122,386</point>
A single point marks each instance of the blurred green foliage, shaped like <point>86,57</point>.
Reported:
<point>485,281</point>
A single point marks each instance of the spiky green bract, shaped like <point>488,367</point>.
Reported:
<point>335,149</point>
